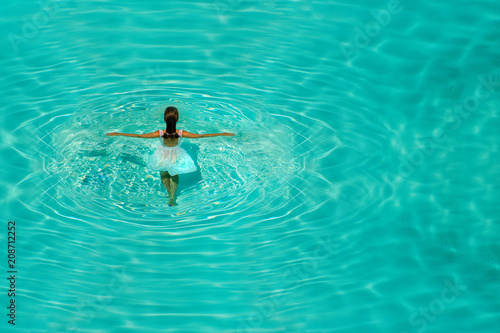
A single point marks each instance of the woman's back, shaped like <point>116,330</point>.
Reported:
<point>170,142</point>
<point>168,158</point>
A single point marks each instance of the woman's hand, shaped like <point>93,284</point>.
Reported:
<point>228,134</point>
<point>112,134</point>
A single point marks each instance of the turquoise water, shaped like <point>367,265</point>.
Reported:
<point>358,194</point>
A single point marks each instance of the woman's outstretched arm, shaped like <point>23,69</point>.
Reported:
<point>186,134</point>
<point>144,136</point>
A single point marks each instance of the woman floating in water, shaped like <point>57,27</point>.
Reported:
<point>170,159</point>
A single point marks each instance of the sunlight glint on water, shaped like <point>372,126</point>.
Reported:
<point>357,195</point>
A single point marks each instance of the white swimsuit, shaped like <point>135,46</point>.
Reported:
<point>174,159</point>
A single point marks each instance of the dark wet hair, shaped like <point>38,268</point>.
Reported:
<point>171,117</point>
